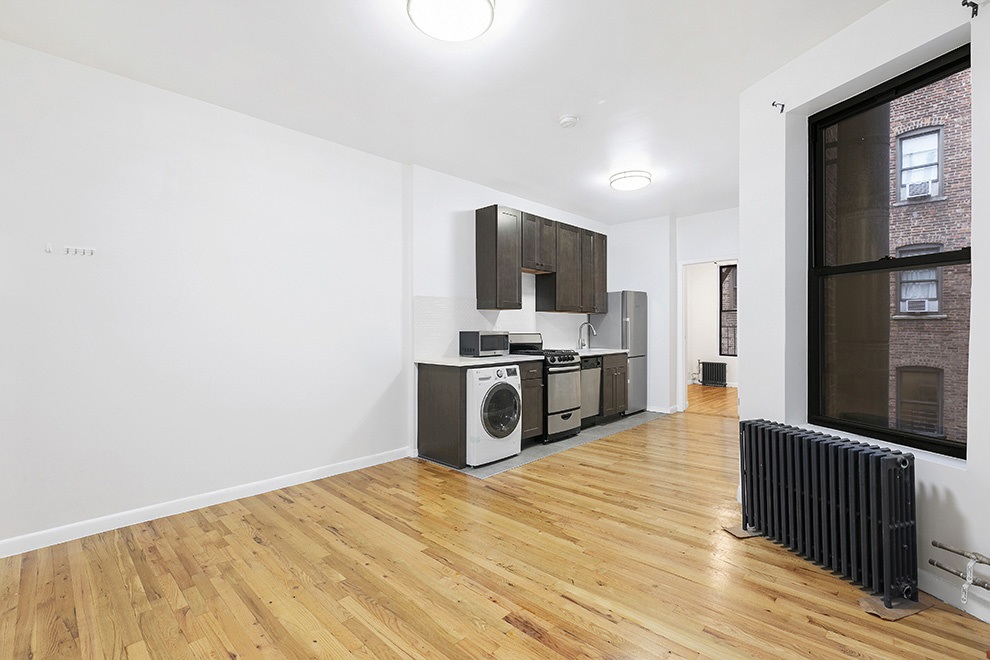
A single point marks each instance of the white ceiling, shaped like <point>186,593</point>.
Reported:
<point>654,82</point>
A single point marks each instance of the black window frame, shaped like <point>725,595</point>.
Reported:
<point>722,327</point>
<point>818,272</point>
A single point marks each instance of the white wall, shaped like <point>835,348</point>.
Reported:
<point>773,250</point>
<point>641,257</point>
<point>702,322</point>
<point>242,324</point>
<point>444,267</point>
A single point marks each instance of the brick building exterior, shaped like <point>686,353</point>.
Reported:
<point>930,210</point>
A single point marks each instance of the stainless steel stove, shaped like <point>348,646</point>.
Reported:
<point>562,375</point>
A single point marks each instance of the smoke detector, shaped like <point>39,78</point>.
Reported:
<point>568,121</point>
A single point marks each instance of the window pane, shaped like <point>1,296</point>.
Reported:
<point>868,344</point>
<point>920,149</point>
<point>919,174</point>
<point>865,202</point>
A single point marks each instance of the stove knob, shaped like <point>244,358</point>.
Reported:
<point>500,373</point>
<point>551,359</point>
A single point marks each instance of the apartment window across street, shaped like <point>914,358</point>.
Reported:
<point>918,289</point>
<point>889,275</point>
<point>919,164</point>
<point>919,400</point>
<point>727,310</point>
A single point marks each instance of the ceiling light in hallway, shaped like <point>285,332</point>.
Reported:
<point>452,20</point>
<point>630,180</point>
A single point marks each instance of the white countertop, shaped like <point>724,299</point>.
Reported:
<point>460,361</point>
<point>591,352</point>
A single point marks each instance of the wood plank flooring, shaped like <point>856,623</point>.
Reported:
<point>613,549</point>
<point>708,400</point>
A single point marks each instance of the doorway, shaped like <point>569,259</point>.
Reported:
<point>708,335</point>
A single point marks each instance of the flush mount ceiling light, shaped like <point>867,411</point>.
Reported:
<point>452,20</point>
<point>630,180</point>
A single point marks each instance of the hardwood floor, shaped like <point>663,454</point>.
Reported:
<point>611,549</point>
<point>707,400</point>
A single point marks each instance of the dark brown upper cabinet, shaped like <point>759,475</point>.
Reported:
<point>539,244</point>
<point>561,291</point>
<point>498,257</point>
<point>594,251</point>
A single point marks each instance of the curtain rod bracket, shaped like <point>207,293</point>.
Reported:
<point>973,5</point>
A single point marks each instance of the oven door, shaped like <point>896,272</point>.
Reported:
<point>563,388</point>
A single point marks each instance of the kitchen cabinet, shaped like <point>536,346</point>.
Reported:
<point>594,248</point>
<point>498,257</point>
<point>532,399</point>
<point>561,291</point>
<point>615,384</point>
<point>539,244</point>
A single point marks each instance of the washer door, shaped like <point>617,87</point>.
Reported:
<point>500,411</point>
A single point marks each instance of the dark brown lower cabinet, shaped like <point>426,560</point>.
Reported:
<point>532,403</point>
<point>615,384</point>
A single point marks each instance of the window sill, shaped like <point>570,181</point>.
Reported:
<point>924,200</point>
<point>918,317</point>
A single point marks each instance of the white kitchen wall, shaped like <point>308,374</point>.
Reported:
<point>642,257</point>
<point>241,325</point>
<point>774,247</point>
<point>444,272</point>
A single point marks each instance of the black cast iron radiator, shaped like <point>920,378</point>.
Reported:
<point>713,373</point>
<point>846,505</point>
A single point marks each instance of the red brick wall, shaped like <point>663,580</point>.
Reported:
<point>935,340</point>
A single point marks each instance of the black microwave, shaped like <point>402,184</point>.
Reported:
<point>483,344</point>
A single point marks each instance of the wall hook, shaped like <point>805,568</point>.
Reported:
<point>975,7</point>
<point>774,104</point>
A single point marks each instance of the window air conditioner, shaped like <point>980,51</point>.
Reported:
<point>919,189</point>
<point>922,305</point>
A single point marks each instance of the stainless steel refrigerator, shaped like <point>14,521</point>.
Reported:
<point>625,327</point>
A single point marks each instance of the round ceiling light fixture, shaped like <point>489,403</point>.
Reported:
<point>452,20</point>
<point>630,180</point>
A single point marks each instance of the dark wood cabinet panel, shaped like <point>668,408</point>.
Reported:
<point>561,291</point>
<point>532,406</point>
<point>539,244</point>
<point>600,298</point>
<point>498,257</point>
<point>570,263</point>
<point>594,260</point>
<point>587,271</point>
<point>615,384</point>
<point>441,424</point>
<point>548,244</point>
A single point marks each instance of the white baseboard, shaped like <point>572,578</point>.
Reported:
<point>665,411</point>
<point>77,530</point>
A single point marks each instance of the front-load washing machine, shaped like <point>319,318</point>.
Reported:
<point>494,414</point>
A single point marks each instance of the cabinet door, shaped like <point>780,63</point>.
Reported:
<point>509,286</point>
<point>608,391</point>
<point>600,301</point>
<point>587,271</point>
<point>568,279</point>
<point>621,389</point>
<point>548,245</point>
<point>498,256</point>
<point>532,407</point>
<point>531,227</point>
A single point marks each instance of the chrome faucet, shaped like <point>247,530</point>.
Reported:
<point>581,342</point>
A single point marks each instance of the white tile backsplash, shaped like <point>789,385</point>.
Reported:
<point>438,320</point>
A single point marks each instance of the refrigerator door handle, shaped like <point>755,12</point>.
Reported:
<point>627,334</point>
